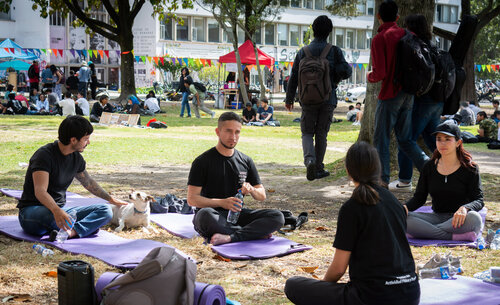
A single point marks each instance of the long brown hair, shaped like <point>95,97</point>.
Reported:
<point>363,165</point>
<point>463,156</point>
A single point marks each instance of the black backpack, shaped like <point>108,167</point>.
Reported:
<point>414,67</point>
<point>445,76</point>
<point>200,87</point>
<point>315,86</point>
<point>31,72</point>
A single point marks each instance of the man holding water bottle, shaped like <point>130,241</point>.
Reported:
<point>51,170</point>
<point>215,179</point>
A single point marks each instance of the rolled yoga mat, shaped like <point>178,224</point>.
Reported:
<point>444,243</point>
<point>204,294</point>
<point>112,249</point>
<point>260,248</point>
<point>459,290</point>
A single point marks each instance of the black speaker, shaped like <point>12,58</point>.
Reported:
<point>75,281</point>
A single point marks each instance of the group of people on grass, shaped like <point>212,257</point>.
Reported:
<point>372,227</point>
<point>259,115</point>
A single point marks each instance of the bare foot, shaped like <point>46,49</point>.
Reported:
<point>219,239</point>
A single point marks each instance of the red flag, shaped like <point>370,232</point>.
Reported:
<point>107,53</point>
<point>61,52</point>
<point>6,50</point>
<point>209,62</point>
<point>12,50</point>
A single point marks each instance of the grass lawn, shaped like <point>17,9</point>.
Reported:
<point>158,161</point>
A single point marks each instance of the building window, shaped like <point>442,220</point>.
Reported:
<point>183,30</point>
<point>198,30</point>
<point>269,34</point>
<point>361,7</point>
<point>228,36</point>
<point>282,34</point>
<point>319,4</point>
<point>446,13</point>
<point>328,3</point>
<point>5,16</point>
<point>213,31</point>
<point>360,39</point>
<point>453,14</point>
<point>339,37</point>
<point>369,36</point>
<point>350,39</point>
<point>308,4</point>
<point>370,5</point>
<point>257,36</point>
<point>166,29</point>
<point>284,3</point>
<point>295,3</point>
<point>56,19</point>
<point>304,30</point>
<point>294,35</point>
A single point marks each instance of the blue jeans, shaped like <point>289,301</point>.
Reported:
<point>82,88</point>
<point>395,114</point>
<point>185,104</point>
<point>38,220</point>
<point>425,118</point>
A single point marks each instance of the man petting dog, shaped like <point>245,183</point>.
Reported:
<point>50,172</point>
<point>215,177</point>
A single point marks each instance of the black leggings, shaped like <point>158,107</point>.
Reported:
<point>252,224</point>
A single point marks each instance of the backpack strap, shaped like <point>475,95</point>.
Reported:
<point>326,50</point>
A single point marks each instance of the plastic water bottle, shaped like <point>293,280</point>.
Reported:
<point>232,217</point>
<point>62,235</point>
<point>42,250</point>
<point>440,272</point>
<point>495,243</point>
<point>481,243</point>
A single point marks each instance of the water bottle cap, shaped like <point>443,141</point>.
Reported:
<point>498,231</point>
<point>459,270</point>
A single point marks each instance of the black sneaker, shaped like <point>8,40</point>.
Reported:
<point>311,170</point>
<point>322,174</point>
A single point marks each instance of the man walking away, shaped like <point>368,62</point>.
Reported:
<point>317,115</point>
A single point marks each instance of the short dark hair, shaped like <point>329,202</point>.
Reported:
<point>12,96</point>
<point>74,126</point>
<point>10,87</point>
<point>102,97</point>
<point>322,27</point>
<point>482,113</point>
<point>497,112</point>
<point>229,116</point>
<point>495,102</point>
<point>71,72</point>
<point>351,107</point>
<point>264,99</point>
<point>363,166</point>
<point>388,11</point>
<point>185,69</point>
<point>67,94</point>
<point>358,103</point>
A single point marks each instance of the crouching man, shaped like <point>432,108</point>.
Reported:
<point>215,178</point>
<point>50,172</point>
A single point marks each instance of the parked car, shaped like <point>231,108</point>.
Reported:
<point>355,95</point>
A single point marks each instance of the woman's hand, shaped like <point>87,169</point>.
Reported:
<point>459,217</point>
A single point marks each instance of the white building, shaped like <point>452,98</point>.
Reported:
<point>200,36</point>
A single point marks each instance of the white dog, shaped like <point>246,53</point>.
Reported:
<point>134,214</point>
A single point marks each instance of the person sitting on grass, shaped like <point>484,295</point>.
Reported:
<point>265,112</point>
<point>67,105</point>
<point>351,114</point>
<point>12,106</point>
<point>488,129</point>
<point>42,105</point>
<point>215,177</point>
<point>99,107</point>
<point>51,170</point>
<point>453,181</point>
<point>151,104</point>
<point>83,104</point>
<point>370,239</point>
<point>248,114</point>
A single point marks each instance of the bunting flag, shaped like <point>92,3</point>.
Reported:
<point>186,61</point>
<point>156,60</point>
<point>209,62</point>
<point>488,67</point>
<point>483,67</point>
<point>118,53</point>
<point>291,65</point>
<point>94,52</point>
<point>365,66</point>
<point>479,68</point>
<point>143,59</point>
<point>80,53</point>
<point>137,59</point>
<point>61,52</point>
<point>161,59</point>
<point>72,52</point>
<point>101,53</point>
<point>12,50</point>
<point>84,53</point>
<point>360,66</point>
<point>493,67</point>
<point>106,52</point>
<point>203,62</point>
<point>6,50</point>
<point>149,59</point>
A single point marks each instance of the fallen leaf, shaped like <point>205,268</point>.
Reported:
<point>6,299</point>
<point>271,190</point>
<point>314,276</point>
<point>312,212</point>
<point>18,298</point>
<point>309,269</point>
<point>218,257</point>
<point>240,266</point>
<point>51,274</point>
<point>321,228</point>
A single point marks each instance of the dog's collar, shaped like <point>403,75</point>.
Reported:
<point>140,212</point>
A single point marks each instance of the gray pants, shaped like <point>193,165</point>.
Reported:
<point>315,125</point>
<point>439,226</point>
<point>202,107</point>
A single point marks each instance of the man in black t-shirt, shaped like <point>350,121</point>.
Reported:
<point>214,179</point>
<point>50,172</point>
<point>249,113</point>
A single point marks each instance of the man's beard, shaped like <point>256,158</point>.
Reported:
<point>227,147</point>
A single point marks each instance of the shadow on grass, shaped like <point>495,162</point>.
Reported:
<point>13,179</point>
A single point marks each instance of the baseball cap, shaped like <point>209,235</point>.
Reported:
<point>448,128</point>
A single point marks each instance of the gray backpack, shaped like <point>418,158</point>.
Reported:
<point>315,86</point>
<point>163,277</point>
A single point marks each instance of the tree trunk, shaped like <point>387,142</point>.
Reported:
<point>127,82</point>
<point>259,71</point>
<point>469,88</point>
<point>406,7</point>
<point>243,88</point>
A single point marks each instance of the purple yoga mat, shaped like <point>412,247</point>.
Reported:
<point>204,294</point>
<point>259,249</point>
<point>114,250</point>
<point>176,224</point>
<point>72,199</point>
<point>459,291</point>
<point>443,243</point>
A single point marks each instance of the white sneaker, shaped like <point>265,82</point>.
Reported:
<point>396,185</point>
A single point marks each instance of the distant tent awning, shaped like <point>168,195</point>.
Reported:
<point>247,55</point>
<point>15,64</point>
<point>10,49</point>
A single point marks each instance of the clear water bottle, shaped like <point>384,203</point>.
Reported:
<point>495,243</point>
<point>42,250</point>
<point>439,273</point>
<point>232,217</point>
<point>481,243</point>
<point>62,235</point>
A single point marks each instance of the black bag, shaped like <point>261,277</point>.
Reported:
<point>75,281</point>
<point>157,124</point>
<point>200,87</point>
<point>414,67</point>
<point>494,144</point>
<point>445,75</point>
<point>468,137</point>
<point>452,103</point>
<point>31,72</point>
<point>315,86</point>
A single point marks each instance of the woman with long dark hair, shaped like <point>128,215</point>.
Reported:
<point>185,92</point>
<point>453,181</point>
<point>57,77</point>
<point>370,239</point>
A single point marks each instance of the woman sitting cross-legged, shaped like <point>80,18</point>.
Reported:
<point>453,181</point>
<point>370,239</point>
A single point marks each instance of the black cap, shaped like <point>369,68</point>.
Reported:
<point>448,128</point>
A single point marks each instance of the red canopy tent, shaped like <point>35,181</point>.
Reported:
<point>247,56</point>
